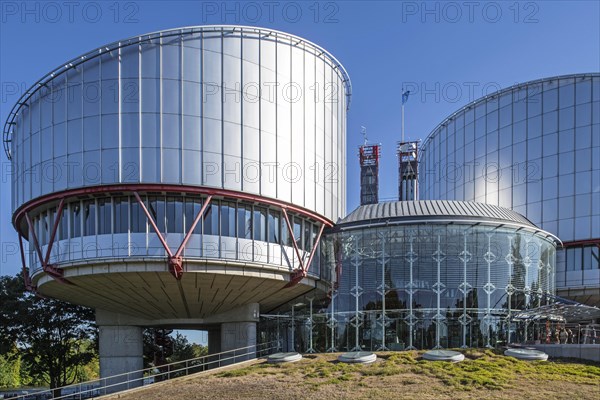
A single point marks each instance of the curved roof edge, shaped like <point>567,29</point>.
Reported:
<point>499,93</point>
<point>10,120</point>
<point>436,211</point>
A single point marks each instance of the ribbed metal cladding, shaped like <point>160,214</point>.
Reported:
<point>434,208</point>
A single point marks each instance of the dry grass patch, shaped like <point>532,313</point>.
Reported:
<point>485,374</point>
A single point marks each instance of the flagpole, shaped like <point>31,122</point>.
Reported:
<point>402,141</point>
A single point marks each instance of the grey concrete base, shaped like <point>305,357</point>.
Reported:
<point>235,335</point>
<point>120,352</point>
<point>582,351</point>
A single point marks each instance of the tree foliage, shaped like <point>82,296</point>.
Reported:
<point>56,339</point>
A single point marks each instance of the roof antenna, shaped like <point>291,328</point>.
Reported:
<point>363,131</point>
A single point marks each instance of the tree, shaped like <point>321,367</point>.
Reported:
<point>11,290</point>
<point>57,339</point>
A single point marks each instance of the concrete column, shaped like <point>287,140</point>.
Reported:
<point>214,340</point>
<point>235,335</point>
<point>121,351</point>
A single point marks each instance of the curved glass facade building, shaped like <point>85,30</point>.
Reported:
<point>533,148</point>
<point>213,149</point>
<point>423,274</point>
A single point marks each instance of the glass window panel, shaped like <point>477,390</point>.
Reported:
<point>550,122</point>
<point>519,131</point>
<point>260,224</point>
<point>58,106</point>
<point>130,130</point>
<point>244,221</point>
<point>91,98</point>
<point>110,131</point>
<point>566,94</point>
<point>192,136</point>
<point>104,216</point>
<point>583,206</point>
<point>550,209</point>
<point>138,217</point>
<point>228,224</point>
<point>505,136</point>
<point>534,148</point>
<point>505,116</point>
<point>60,141</point>
<point>151,165</point>
<point>519,110</point>
<point>550,144</point>
<point>534,101</point>
<point>121,215</point>
<point>583,91</point>
<point>89,218</point>
<point>110,65</point>
<point>174,215</point>
<point>566,118</point>
<point>192,208</point>
<point>307,236</point>
<point>566,207</point>
<point>492,121</point>
<point>583,137</point>
<point>566,140</point>
<point>550,99</point>
<point>156,208</point>
<point>550,186</point>
<point>583,160</point>
<point>566,183</point>
<point>297,228</point>
<point>211,219</point>
<point>583,184</point>
<point>534,127</point>
<point>274,226</point>
<point>110,96</point>
<point>74,135</point>
<point>130,95</point>
<point>91,133</point>
<point>110,166</point>
<point>583,114</point>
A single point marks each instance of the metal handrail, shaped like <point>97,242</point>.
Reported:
<point>128,380</point>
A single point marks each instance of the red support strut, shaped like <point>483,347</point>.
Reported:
<point>300,273</point>
<point>48,268</point>
<point>175,260</point>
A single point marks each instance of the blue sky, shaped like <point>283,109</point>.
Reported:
<point>452,52</point>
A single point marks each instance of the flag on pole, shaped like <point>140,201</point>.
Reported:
<point>405,96</point>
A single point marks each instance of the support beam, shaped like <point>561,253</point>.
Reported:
<point>48,268</point>
<point>26,277</point>
<point>300,273</point>
<point>175,260</point>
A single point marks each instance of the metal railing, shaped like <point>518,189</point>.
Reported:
<point>147,376</point>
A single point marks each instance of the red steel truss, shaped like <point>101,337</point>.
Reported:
<point>175,260</point>
<point>299,273</point>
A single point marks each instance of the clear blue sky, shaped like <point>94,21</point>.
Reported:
<point>457,51</point>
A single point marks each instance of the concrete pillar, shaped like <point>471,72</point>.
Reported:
<point>214,340</point>
<point>120,352</point>
<point>238,335</point>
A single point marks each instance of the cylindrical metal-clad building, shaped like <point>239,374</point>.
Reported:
<point>534,148</point>
<point>218,150</point>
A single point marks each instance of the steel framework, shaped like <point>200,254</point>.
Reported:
<point>174,259</point>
